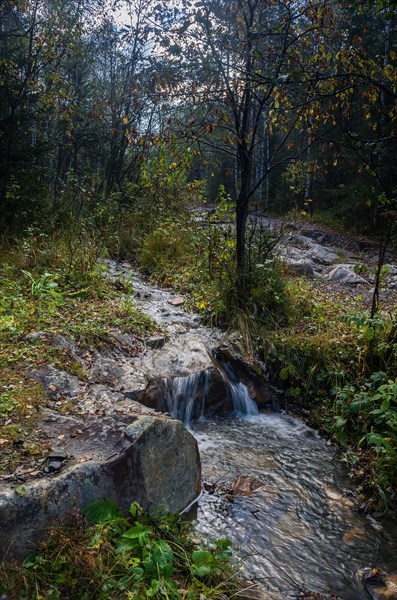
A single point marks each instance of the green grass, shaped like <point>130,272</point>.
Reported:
<point>53,302</point>
<point>135,557</point>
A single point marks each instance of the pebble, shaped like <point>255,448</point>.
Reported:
<point>177,301</point>
<point>57,455</point>
<point>54,466</point>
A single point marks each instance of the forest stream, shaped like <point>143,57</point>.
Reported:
<point>298,529</point>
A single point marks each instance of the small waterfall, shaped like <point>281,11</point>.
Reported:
<point>243,405</point>
<point>185,397</point>
<point>242,402</point>
<point>182,394</point>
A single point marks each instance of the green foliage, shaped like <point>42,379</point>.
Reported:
<point>368,415</point>
<point>155,220</point>
<point>102,511</point>
<point>166,248</point>
<point>47,299</point>
<point>131,558</point>
<point>341,367</point>
<point>376,339</point>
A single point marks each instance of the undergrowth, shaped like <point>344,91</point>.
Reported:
<point>132,558</point>
<point>337,366</point>
<point>325,353</point>
<point>194,252</point>
<point>40,302</point>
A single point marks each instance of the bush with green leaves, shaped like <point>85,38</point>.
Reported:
<point>365,418</point>
<point>135,557</point>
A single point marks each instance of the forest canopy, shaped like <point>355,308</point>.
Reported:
<point>280,102</point>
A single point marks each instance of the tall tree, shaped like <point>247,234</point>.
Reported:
<point>243,67</point>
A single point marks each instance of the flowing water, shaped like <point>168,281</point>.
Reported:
<point>299,530</point>
<point>181,396</point>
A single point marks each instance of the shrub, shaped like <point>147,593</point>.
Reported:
<point>132,558</point>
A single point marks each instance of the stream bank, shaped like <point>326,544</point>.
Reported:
<point>177,366</point>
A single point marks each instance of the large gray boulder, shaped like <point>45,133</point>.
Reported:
<point>179,357</point>
<point>346,274</point>
<point>150,459</point>
<point>302,267</point>
<point>321,255</point>
<point>303,248</point>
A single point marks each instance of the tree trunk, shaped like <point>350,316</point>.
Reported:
<point>242,210</point>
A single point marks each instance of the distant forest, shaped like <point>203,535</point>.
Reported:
<point>290,105</point>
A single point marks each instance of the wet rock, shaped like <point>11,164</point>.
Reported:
<point>245,485</point>
<point>53,466</point>
<point>378,584</point>
<point>231,356</point>
<point>55,382</point>
<point>179,327</point>
<point>58,455</point>
<point>156,342</point>
<point>151,460</point>
<point>179,357</point>
<point>101,399</point>
<point>177,301</point>
<point>346,274</point>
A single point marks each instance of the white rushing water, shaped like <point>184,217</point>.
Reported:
<point>181,395</point>
<point>186,396</point>
<point>243,404</point>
